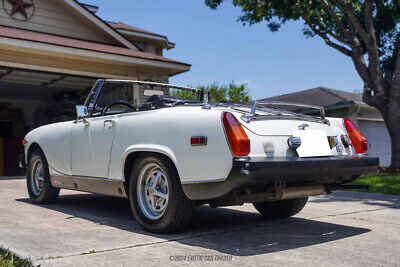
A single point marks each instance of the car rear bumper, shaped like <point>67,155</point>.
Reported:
<point>301,170</point>
<point>285,172</point>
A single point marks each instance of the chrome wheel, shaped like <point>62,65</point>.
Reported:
<point>152,191</point>
<point>37,177</point>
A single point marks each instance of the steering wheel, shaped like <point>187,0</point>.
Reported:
<point>114,103</point>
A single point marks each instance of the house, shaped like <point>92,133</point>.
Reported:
<point>52,51</point>
<point>346,105</point>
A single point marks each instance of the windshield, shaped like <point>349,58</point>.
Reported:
<point>117,96</point>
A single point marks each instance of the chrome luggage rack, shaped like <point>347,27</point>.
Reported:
<point>257,105</point>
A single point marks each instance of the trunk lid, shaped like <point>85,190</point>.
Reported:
<point>269,136</point>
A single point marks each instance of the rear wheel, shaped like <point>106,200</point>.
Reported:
<point>281,208</point>
<point>157,199</point>
<point>38,179</point>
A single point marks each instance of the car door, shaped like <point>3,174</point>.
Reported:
<point>91,144</point>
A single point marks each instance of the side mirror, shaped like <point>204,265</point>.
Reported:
<point>82,113</point>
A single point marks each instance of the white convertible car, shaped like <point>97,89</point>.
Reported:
<point>169,154</point>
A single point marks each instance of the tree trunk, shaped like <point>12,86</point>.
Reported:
<point>394,132</point>
<point>392,120</point>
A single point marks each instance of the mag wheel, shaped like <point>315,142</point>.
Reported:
<point>152,191</point>
<point>281,208</point>
<point>37,175</point>
<point>156,196</point>
<point>38,179</point>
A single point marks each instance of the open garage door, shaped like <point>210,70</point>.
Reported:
<point>378,140</point>
<point>29,99</point>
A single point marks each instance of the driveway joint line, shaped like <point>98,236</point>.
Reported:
<point>170,240</point>
<point>346,213</point>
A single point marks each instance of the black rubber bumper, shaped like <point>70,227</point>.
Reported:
<point>301,170</point>
<point>289,171</point>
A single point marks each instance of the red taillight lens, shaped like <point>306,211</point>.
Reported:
<point>360,144</point>
<point>237,137</point>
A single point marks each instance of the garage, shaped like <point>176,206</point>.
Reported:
<point>378,140</point>
<point>51,53</point>
<point>30,99</point>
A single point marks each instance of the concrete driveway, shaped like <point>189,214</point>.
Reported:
<point>343,228</point>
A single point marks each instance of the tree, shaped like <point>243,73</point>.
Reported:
<point>183,94</point>
<point>223,93</point>
<point>366,31</point>
<point>238,93</point>
<point>216,93</point>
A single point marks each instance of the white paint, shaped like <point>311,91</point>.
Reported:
<point>96,148</point>
<point>91,146</point>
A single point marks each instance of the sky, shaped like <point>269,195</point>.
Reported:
<point>220,49</point>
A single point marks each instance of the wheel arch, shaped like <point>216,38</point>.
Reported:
<point>30,150</point>
<point>133,153</point>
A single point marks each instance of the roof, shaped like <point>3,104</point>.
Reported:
<point>320,96</point>
<point>81,44</point>
<point>101,24</point>
<point>123,26</point>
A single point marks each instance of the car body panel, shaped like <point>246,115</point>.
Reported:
<point>168,131</point>
<point>91,146</point>
<point>78,149</point>
<point>54,140</point>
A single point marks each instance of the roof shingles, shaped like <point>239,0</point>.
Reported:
<point>320,96</point>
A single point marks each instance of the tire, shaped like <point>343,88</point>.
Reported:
<point>173,210</point>
<point>282,208</point>
<point>38,179</point>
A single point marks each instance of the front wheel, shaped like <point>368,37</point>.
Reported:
<point>157,199</point>
<point>281,208</point>
<point>38,179</point>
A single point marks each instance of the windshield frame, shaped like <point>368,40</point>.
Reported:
<point>202,95</point>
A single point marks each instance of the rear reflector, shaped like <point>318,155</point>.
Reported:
<point>198,140</point>
<point>360,144</point>
<point>237,137</point>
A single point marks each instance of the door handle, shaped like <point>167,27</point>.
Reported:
<point>110,123</point>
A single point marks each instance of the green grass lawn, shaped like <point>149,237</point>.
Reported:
<point>381,183</point>
<point>7,259</point>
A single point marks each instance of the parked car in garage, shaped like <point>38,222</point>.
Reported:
<point>169,154</point>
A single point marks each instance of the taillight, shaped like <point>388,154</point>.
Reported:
<point>360,144</point>
<point>237,137</point>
